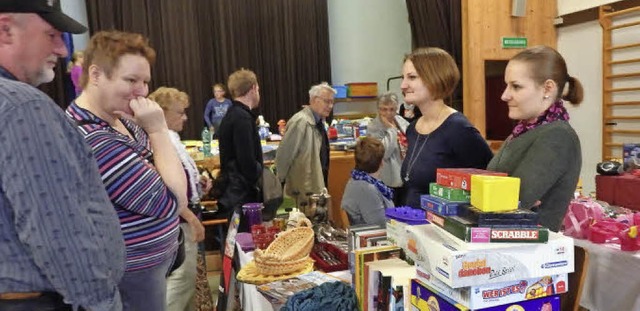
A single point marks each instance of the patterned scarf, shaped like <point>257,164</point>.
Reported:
<point>554,113</point>
<point>193,176</point>
<point>361,175</point>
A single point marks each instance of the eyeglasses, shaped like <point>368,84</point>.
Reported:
<point>327,101</point>
<point>180,113</point>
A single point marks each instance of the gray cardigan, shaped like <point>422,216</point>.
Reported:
<point>392,161</point>
<point>548,160</point>
<point>364,204</point>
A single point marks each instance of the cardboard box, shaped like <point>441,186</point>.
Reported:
<point>630,156</point>
<point>495,193</point>
<point>471,264</point>
<point>490,295</point>
<point>460,178</point>
<point>440,206</point>
<point>619,190</point>
<point>448,193</point>
<point>362,90</point>
<point>424,298</point>
<point>213,260</point>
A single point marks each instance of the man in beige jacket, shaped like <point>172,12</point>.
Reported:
<point>302,159</point>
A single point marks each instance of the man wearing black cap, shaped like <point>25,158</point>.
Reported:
<point>62,246</point>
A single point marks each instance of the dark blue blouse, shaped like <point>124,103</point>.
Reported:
<point>455,144</point>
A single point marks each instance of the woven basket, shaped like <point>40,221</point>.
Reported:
<point>290,245</point>
<point>271,267</point>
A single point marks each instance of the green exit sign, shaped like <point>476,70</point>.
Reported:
<point>514,42</point>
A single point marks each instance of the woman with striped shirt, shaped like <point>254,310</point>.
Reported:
<point>138,163</point>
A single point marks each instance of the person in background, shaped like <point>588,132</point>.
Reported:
<point>543,150</point>
<point>302,158</point>
<point>365,196</point>
<point>139,165</point>
<point>75,70</point>
<point>240,150</point>
<point>216,108</point>
<point>62,248</point>
<point>442,137</point>
<point>181,284</point>
<point>390,128</point>
<point>409,112</point>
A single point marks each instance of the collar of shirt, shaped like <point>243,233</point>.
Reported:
<point>316,117</point>
<point>6,74</point>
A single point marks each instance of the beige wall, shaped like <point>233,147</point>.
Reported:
<point>570,6</point>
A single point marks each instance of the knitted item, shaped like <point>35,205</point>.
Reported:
<point>554,113</point>
<point>326,296</point>
<point>360,175</point>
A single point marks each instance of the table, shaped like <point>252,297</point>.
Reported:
<point>612,281</point>
<point>251,299</point>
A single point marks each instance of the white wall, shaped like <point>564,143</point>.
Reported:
<point>77,9</point>
<point>368,40</point>
<point>570,6</point>
<point>586,65</point>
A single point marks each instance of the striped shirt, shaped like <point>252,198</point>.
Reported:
<point>146,207</point>
<point>58,230</point>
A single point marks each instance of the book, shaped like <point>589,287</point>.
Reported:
<point>386,285</point>
<point>369,254</point>
<point>351,231</point>
<point>467,231</point>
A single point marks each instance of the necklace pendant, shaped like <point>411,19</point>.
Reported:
<point>406,177</point>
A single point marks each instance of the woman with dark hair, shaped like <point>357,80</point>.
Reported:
<point>543,150</point>
<point>365,197</point>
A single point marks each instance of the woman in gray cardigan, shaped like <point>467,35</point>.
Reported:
<point>365,197</point>
<point>543,149</point>
<point>390,129</point>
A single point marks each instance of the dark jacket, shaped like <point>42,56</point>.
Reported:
<point>240,159</point>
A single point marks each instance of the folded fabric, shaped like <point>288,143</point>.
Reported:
<point>326,296</point>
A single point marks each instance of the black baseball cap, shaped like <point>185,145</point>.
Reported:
<point>49,10</point>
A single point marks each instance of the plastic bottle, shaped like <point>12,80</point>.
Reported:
<point>206,142</point>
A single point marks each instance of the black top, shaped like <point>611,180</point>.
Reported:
<point>454,144</point>
<point>240,158</point>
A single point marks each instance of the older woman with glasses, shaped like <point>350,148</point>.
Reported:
<point>390,128</point>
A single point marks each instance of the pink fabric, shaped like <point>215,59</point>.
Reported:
<point>580,215</point>
<point>76,72</point>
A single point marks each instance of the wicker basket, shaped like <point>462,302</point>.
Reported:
<point>289,245</point>
<point>289,252</point>
<point>271,267</point>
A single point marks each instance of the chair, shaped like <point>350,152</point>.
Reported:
<point>570,301</point>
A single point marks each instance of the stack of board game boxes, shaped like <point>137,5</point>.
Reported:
<point>480,252</point>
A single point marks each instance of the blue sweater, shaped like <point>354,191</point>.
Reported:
<point>454,144</point>
<point>215,111</point>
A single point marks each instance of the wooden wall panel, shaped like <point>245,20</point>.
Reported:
<point>484,23</point>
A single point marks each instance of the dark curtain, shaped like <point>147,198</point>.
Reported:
<point>199,43</point>
<point>438,23</point>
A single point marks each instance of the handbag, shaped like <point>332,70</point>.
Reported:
<point>180,254</point>
<point>271,194</point>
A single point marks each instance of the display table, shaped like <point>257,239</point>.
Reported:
<point>612,281</point>
<point>251,299</point>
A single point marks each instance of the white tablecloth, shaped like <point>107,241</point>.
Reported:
<point>251,299</point>
<point>613,278</point>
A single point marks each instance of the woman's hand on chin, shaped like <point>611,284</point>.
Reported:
<point>147,114</point>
